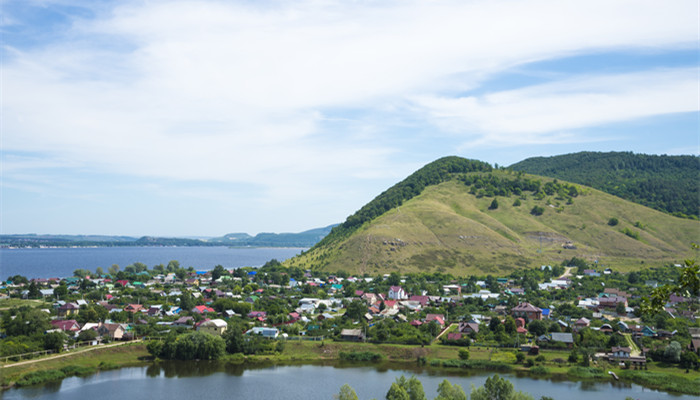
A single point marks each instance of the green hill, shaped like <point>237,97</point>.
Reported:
<point>665,183</point>
<point>443,218</point>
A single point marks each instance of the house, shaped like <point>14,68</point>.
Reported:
<point>270,333</point>
<point>68,309</point>
<point>439,318</point>
<point>468,327</point>
<point>390,304</point>
<point>563,337</point>
<point>133,308</point>
<point>397,293</point>
<point>582,323</point>
<point>611,302</point>
<point>621,352</point>
<point>113,331</point>
<point>527,311</point>
<point>694,345</point>
<point>203,309</point>
<point>215,327</point>
<point>423,300</point>
<point>355,335</point>
<point>67,325</point>
<point>257,314</point>
<point>184,321</point>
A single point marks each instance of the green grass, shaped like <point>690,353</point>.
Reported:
<point>453,231</point>
<point>665,382</point>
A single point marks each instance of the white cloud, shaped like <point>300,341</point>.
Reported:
<point>241,92</point>
<point>547,113</point>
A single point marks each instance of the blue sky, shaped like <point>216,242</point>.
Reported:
<point>184,118</point>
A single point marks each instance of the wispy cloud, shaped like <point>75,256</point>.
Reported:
<point>296,97</point>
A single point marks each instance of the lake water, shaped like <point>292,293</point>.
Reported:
<point>205,380</point>
<point>61,262</point>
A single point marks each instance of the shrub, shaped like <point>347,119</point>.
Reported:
<point>529,362</point>
<point>537,210</point>
<point>519,356</point>
<point>463,354</point>
<point>540,358</point>
<point>613,221</point>
<point>539,370</point>
<point>359,356</point>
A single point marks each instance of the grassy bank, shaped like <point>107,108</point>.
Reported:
<point>79,364</point>
<point>437,357</point>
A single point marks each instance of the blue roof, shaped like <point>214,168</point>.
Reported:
<point>545,311</point>
<point>253,273</point>
<point>201,272</point>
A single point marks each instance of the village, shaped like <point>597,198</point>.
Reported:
<point>593,314</point>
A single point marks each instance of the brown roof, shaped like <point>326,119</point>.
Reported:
<point>526,307</point>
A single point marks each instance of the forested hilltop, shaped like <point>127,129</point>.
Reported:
<point>464,216</point>
<point>665,183</point>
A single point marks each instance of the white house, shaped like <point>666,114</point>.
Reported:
<point>397,293</point>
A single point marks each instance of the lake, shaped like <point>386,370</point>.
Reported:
<point>61,262</point>
<point>211,380</point>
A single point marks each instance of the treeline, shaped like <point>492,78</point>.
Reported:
<point>495,388</point>
<point>490,185</point>
<point>665,183</point>
<point>432,174</point>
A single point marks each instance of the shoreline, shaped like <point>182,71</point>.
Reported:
<point>134,354</point>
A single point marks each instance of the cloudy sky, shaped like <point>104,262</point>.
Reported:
<point>179,118</point>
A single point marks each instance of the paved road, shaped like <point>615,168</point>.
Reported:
<point>85,350</point>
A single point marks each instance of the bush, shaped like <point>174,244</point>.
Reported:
<point>586,372</point>
<point>537,210</point>
<point>540,358</point>
<point>463,354</point>
<point>529,362</point>
<point>539,370</point>
<point>35,378</point>
<point>519,357</point>
<point>360,356</point>
<point>613,221</point>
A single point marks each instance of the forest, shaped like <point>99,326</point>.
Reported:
<point>665,183</point>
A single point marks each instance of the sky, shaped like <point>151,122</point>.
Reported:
<point>201,118</point>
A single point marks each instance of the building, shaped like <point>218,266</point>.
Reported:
<point>397,293</point>
<point>270,333</point>
<point>355,335</point>
<point>527,311</point>
<point>215,327</point>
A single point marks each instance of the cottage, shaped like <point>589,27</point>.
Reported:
<point>68,309</point>
<point>113,331</point>
<point>133,308</point>
<point>355,335</point>
<point>270,333</point>
<point>397,293</point>
<point>563,337</point>
<point>439,318</point>
<point>621,352</point>
<point>69,325</point>
<point>215,327</point>
<point>203,309</point>
<point>582,323</point>
<point>527,311</point>
<point>468,327</point>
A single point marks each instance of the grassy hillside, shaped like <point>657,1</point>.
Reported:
<point>449,227</point>
<point>665,183</point>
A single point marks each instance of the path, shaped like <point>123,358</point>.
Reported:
<point>634,349</point>
<point>85,350</point>
<point>567,273</point>
<point>443,332</point>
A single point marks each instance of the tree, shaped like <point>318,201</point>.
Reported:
<point>396,392</point>
<point>87,335</point>
<point>494,204</point>
<point>218,272</point>
<point>688,359</point>
<point>355,310</point>
<point>517,203</point>
<point>113,270</point>
<point>688,286</point>
<point>620,309</point>
<point>54,341</point>
<point>537,210</point>
<point>510,325</point>
<point>33,291</point>
<point>60,290</point>
<point>673,352</point>
<point>346,393</point>
<point>447,391</point>
<point>99,272</point>
<point>537,327</point>
<point>497,388</point>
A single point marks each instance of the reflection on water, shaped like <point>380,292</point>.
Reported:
<point>178,380</point>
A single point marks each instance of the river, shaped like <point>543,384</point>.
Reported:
<point>211,380</point>
<point>61,262</point>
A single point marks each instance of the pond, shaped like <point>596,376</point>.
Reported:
<point>211,380</point>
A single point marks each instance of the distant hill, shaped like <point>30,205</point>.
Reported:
<point>666,183</point>
<point>460,216</point>
<point>303,239</point>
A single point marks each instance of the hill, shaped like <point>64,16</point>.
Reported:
<point>301,239</point>
<point>443,218</point>
<point>665,183</point>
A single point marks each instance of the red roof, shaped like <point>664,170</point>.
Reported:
<point>521,330</point>
<point>66,325</point>
<point>202,309</point>
<point>390,303</point>
<point>415,322</point>
<point>454,336</point>
<point>423,300</point>
<point>435,317</point>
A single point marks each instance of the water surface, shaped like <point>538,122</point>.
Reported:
<point>207,380</point>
